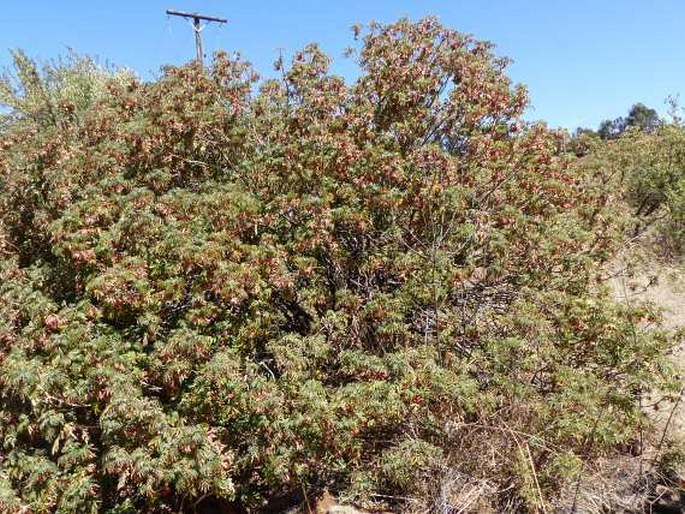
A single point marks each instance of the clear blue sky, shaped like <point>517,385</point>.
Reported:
<point>582,60</point>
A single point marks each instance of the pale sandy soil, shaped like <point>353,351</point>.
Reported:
<point>665,286</point>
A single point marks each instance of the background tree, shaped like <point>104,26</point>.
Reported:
<point>643,118</point>
<point>640,117</point>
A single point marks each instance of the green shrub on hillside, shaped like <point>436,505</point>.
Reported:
<point>54,93</point>
<point>648,169</point>
<point>213,291</point>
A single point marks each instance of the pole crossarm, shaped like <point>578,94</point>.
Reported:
<point>195,15</point>
<point>197,28</point>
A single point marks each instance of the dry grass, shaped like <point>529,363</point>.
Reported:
<point>620,484</point>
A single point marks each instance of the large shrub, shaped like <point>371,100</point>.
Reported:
<point>216,291</point>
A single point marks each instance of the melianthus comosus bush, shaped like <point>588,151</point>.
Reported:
<point>216,290</point>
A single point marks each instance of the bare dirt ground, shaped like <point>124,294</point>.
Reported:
<point>664,285</point>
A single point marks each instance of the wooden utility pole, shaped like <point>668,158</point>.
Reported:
<point>197,28</point>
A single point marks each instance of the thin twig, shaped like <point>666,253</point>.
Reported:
<point>666,427</point>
